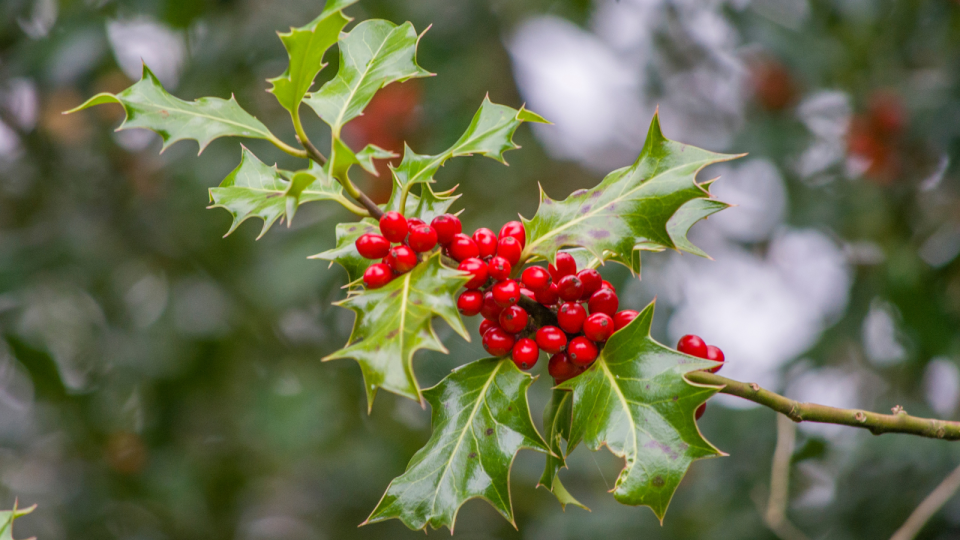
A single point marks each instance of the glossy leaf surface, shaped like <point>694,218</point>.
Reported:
<point>394,322</point>
<point>7,518</point>
<point>374,54</point>
<point>480,420</point>
<point>635,400</point>
<point>305,47</point>
<point>149,106</point>
<point>644,206</point>
<point>556,424</point>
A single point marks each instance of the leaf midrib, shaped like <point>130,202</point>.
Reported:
<point>353,92</point>
<point>160,106</point>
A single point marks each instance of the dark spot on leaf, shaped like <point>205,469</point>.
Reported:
<point>489,431</point>
<point>658,481</point>
<point>595,195</point>
<point>584,208</point>
<point>393,333</point>
<point>472,455</point>
<point>510,408</point>
<point>676,398</point>
<point>164,113</point>
<point>578,193</point>
<point>683,446</point>
<point>600,233</point>
<point>416,301</point>
<point>648,387</point>
<point>395,293</point>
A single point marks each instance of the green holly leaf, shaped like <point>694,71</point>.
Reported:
<point>374,54</point>
<point>342,158</point>
<point>556,422</point>
<point>641,207</point>
<point>425,207</point>
<point>395,321</point>
<point>489,134</point>
<point>636,401</point>
<point>148,105</point>
<point>480,420</point>
<point>6,520</point>
<point>254,189</point>
<point>305,47</point>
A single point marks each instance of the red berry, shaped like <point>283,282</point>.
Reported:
<point>604,301</point>
<point>513,319</point>
<point>528,293</point>
<point>372,246</point>
<point>446,226</point>
<point>606,285</point>
<point>548,296</point>
<point>490,310</point>
<point>570,288</point>
<point>536,277</point>
<point>561,368</point>
<point>582,351</point>
<point>377,275</point>
<point>551,339</point>
<point>499,268</point>
<point>470,303</point>
<point>566,265</point>
<point>401,258</point>
<point>598,327</point>
<point>510,249</point>
<point>623,318</point>
<point>486,242</point>
<point>571,317</point>
<point>463,247</point>
<point>498,342</point>
<point>525,353</point>
<point>393,226</point>
<point>422,238</point>
<point>485,325</point>
<point>476,268</point>
<point>700,410</point>
<point>414,222</point>
<point>591,281</point>
<point>516,230</point>
<point>715,354</point>
<point>692,345</point>
<point>506,293</point>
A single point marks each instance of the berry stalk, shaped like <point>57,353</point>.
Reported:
<point>878,424</point>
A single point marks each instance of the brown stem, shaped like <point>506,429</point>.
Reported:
<point>542,316</point>
<point>878,424</point>
<point>360,196</point>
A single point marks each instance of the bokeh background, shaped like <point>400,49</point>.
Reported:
<point>160,382</point>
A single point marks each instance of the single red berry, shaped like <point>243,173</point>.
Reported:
<point>536,277</point>
<point>377,275</point>
<point>516,230</point>
<point>582,351</point>
<point>570,288</point>
<point>414,222</point>
<point>525,353</point>
<point>700,410</point>
<point>548,296</point>
<point>506,293</point>
<point>604,301</point>
<point>692,345</point>
<point>490,309</point>
<point>485,325</point>
<point>401,258</point>
<point>510,249</point>
<point>486,242</point>
<point>476,268</point>
<point>528,293</point>
<point>447,227</point>
<point>513,319</point>
<point>591,281</point>
<point>565,266</point>
<point>470,303</point>
<point>499,268</point>
<point>463,247</point>
<point>571,316</point>
<point>372,246</point>
<point>498,342</point>
<point>607,285</point>
<point>561,368</point>
<point>715,354</point>
<point>623,318</point>
<point>598,327</point>
<point>393,226</point>
<point>422,238</point>
<point>551,339</point>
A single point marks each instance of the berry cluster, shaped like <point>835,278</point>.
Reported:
<point>695,346</point>
<point>412,237</point>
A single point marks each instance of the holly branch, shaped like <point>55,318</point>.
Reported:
<point>877,423</point>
